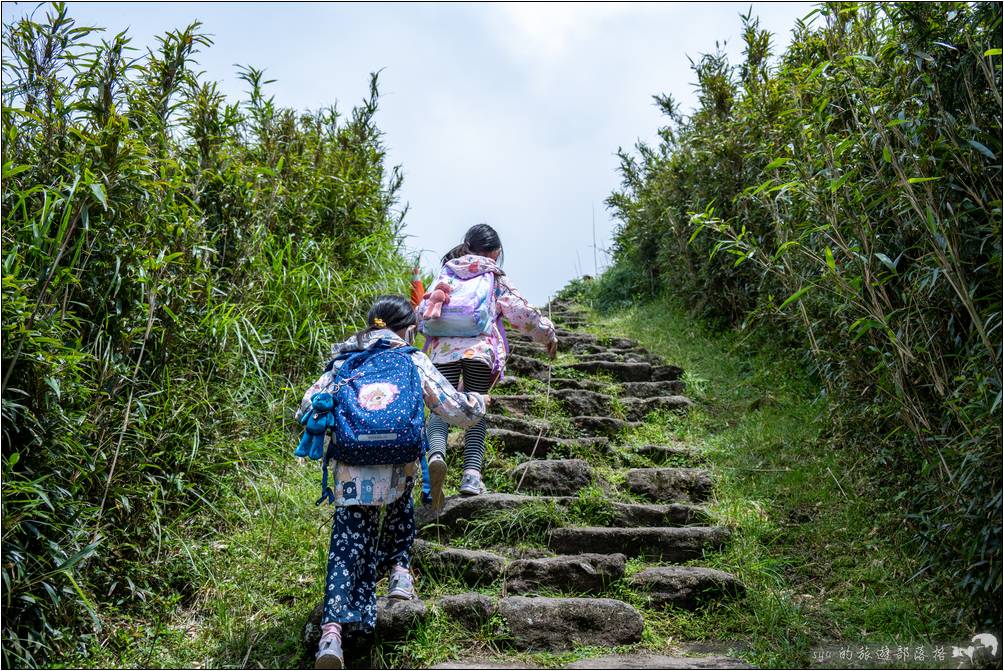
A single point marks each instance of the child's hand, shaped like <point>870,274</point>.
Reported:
<point>488,400</point>
<point>552,349</point>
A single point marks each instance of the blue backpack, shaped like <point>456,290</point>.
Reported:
<point>379,411</point>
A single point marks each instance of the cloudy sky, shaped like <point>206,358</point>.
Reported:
<point>508,114</point>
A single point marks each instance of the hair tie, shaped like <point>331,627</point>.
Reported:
<point>379,322</point>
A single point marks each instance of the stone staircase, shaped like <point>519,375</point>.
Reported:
<point>556,594</point>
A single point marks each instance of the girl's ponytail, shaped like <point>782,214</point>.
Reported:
<point>480,239</point>
<point>388,312</point>
<point>463,249</point>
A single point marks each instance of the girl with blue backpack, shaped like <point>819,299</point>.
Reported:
<point>372,398</point>
<point>465,338</point>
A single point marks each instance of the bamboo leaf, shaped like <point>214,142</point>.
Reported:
<point>839,182</point>
<point>818,70</point>
<point>9,171</point>
<point>886,261</point>
<point>795,296</point>
<point>982,148</point>
<point>99,193</point>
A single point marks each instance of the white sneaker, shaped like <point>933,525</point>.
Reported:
<point>402,586</point>
<point>437,476</point>
<point>471,485</point>
<point>329,654</point>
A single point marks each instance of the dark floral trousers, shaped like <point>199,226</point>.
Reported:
<point>363,548</point>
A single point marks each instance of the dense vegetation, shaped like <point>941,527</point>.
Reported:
<point>174,265</point>
<point>847,198</point>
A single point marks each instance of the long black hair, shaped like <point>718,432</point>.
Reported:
<point>480,239</point>
<point>389,311</point>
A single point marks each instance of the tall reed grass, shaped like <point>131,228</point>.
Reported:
<point>847,196</point>
<point>174,264</point>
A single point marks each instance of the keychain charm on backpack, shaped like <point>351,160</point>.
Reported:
<point>315,424</point>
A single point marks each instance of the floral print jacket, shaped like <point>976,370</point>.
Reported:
<point>513,307</point>
<point>378,485</point>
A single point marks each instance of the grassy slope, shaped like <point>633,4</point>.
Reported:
<point>814,544</point>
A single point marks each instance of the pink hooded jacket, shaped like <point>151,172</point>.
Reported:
<point>513,307</point>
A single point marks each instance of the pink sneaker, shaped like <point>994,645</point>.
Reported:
<point>329,653</point>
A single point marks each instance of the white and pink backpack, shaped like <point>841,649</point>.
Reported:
<point>470,310</point>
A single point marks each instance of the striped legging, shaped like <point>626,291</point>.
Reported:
<point>477,377</point>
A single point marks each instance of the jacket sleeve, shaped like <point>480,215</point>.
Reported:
<point>523,316</point>
<point>442,398</point>
<point>324,383</point>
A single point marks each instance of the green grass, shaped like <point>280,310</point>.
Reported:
<point>257,579</point>
<point>816,541</point>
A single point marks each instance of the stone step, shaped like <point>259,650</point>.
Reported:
<point>669,484</point>
<point>604,426</point>
<point>550,623</point>
<point>685,586</point>
<point>570,321</point>
<point>459,510</point>
<point>527,348</point>
<point>517,364</point>
<point>561,304</point>
<point>470,567</point>
<point>666,373</point>
<point>556,624</point>
<point>624,660</point>
<point>638,408</point>
<point>555,477</point>
<point>569,340</point>
<point>583,401</point>
<point>596,348</point>
<point>626,371</point>
<point>482,663</point>
<point>526,424</point>
<point>667,453</point>
<point>470,609</point>
<point>656,514</point>
<point>590,409</point>
<point>610,342</point>
<point>652,389</point>
<point>395,619</point>
<point>670,544</point>
<point>578,574</point>
<point>648,660</point>
<point>518,404</point>
<point>587,573</point>
<point>523,443</point>
<point>621,343</point>
<point>575,383</point>
<point>564,317</point>
<point>579,400</point>
<point>620,355</point>
<point>622,371</point>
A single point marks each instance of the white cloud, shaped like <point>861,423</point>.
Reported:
<point>549,30</point>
